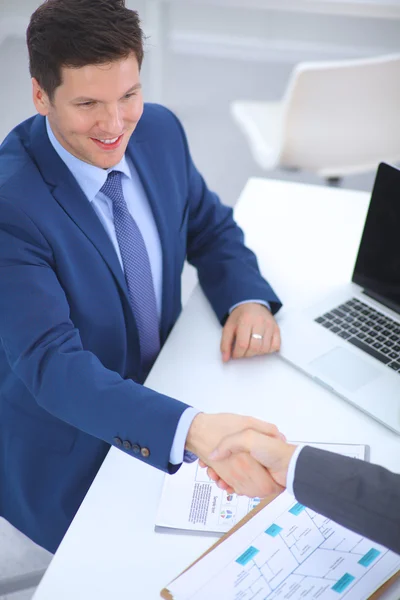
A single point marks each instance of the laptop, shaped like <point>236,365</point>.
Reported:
<point>350,341</point>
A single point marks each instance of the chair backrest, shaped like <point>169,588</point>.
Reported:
<point>342,117</point>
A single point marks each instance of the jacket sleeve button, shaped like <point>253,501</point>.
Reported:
<point>135,448</point>
<point>127,445</point>
<point>118,442</point>
<point>145,452</point>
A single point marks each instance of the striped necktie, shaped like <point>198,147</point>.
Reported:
<point>137,269</point>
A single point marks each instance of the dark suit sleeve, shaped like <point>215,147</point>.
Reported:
<point>228,271</point>
<point>358,495</point>
<point>44,349</point>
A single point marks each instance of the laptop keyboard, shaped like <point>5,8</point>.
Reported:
<point>366,328</point>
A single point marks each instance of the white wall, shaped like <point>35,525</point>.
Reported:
<point>329,34</point>
<point>225,28</point>
<point>203,29</point>
<point>289,31</point>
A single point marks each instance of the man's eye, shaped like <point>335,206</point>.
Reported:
<point>130,95</point>
<point>86,104</point>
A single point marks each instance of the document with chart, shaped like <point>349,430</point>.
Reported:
<point>191,501</point>
<point>287,552</point>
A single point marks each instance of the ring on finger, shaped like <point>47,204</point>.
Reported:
<point>257,336</point>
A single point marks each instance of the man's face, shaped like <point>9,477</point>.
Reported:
<point>95,110</point>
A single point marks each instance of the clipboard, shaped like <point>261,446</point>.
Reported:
<point>166,594</point>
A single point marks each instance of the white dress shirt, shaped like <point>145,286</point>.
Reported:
<point>292,469</point>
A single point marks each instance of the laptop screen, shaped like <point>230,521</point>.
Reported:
<point>377,267</point>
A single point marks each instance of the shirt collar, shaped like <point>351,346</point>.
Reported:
<point>90,178</point>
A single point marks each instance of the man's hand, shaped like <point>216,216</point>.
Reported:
<point>249,330</point>
<point>239,472</point>
<point>273,453</point>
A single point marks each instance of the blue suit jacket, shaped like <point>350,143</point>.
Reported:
<point>70,376</point>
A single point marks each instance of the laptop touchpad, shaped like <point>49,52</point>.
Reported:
<point>345,368</point>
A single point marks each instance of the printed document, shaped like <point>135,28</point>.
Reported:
<point>191,501</point>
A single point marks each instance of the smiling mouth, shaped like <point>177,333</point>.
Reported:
<point>108,144</point>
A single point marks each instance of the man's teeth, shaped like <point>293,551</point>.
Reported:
<point>109,141</point>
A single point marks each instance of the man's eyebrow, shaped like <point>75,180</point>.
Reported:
<point>135,87</point>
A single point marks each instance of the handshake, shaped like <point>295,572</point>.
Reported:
<point>243,455</point>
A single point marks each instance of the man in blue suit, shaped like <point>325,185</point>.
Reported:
<point>100,204</point>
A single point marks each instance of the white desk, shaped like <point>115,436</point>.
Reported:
<point>111,549</point>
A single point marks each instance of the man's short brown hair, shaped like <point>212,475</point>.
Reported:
<point>76,33</point>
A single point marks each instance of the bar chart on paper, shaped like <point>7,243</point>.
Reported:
<point>289,552</point>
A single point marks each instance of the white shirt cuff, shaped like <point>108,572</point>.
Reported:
<point>266,304</point>
<point>181,433</point>
<point>292,469</point>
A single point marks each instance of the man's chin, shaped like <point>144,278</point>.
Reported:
<point>107,162</point>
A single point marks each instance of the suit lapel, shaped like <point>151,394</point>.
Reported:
<point>69,195</point>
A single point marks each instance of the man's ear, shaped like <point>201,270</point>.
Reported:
<point>40,98</point>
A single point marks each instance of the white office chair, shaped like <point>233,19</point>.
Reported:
<point>335,119</point>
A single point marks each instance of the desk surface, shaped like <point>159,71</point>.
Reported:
<point>306,238</point>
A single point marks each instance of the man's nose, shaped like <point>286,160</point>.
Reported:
<point>112,121</point>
